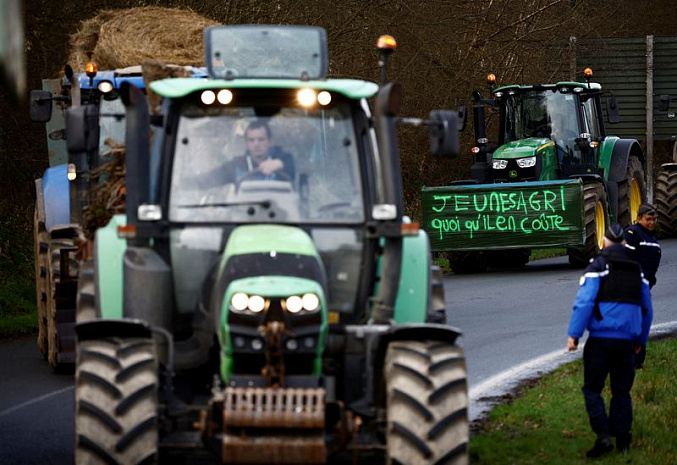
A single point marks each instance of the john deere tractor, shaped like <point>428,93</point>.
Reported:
<point>665,190</point>
<point>289,316</point>
<point>552,177</point>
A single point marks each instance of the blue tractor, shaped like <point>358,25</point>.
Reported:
<point>63,193</point>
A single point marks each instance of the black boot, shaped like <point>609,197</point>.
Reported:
<point>603,445</point>
<point>623,443</point>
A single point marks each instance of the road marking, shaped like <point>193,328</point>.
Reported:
<point>35,401</point>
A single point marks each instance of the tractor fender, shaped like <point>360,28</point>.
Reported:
<point>55,196</point>
<point>419,332</point>
<point>610,187</point>
<point>620,155</point>
<point>364,349</point>
<point>101,329</point>
<point>413,293</point>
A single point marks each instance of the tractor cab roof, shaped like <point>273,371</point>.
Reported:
<point>265,57</point>
<point>181,87</point>
<point>563,87</point>
<point>131,74</point>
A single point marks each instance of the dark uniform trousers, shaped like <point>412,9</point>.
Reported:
<point>614,357</point>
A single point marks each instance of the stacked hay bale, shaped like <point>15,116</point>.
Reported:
<point>150,36</point>
<point>120,38</point>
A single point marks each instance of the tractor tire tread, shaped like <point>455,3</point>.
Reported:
<point>130,400</point>
<point>421,430</point>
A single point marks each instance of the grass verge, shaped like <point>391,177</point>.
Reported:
<point>538,254</point>
<point>546,422</point>
<point>18,313</point>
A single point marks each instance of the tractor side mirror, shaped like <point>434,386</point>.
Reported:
<point>462,117</point>
<point>444,128</point>
<point>612,110</point>
<point>664,102</point>
<point>40,106</point>
<point>82,129</point>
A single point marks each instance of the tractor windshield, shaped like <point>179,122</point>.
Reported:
<point>266,164</point>
<point>541,114</point>
<point>111,124</point>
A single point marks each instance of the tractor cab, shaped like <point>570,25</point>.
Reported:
<point>546,132</point>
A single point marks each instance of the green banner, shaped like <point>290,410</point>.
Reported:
<point>502,216</point>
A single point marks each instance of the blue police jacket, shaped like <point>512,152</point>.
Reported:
<point>645,249</point>
<point>629,320</point>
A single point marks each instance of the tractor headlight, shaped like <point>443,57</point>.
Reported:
<point>499,164</point>
<point>256,303</point>
<point>104,87</point>
<point>527,162</point>
<point>308,302</point>
<point>294,304</point>
<point>241,302</point>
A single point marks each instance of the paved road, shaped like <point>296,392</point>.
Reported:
<point>514,322</point>
<point>36,408</point>
<point>514,325</point>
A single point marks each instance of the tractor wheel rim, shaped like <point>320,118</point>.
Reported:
<point>600,224</point>
<point>635,199</point>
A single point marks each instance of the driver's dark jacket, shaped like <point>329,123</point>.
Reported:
<point>645,249</point>
<point>621,313</point>
<point>235,169</point>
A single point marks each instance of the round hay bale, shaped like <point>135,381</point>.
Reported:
<point>121,38</point>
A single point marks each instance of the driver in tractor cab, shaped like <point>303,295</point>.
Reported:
<point>270,161</point>
<point>563,132</point>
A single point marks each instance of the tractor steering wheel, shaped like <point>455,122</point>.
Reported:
<point>251,174</point>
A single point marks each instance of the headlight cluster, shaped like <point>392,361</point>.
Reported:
<point>256,304</point>
<point>499,164</point>
<point>527,162</point>
<point>308,302</point>
<point>241,302</point>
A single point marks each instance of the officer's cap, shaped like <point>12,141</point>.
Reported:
<point>646,209</point>
<point>615,233</point>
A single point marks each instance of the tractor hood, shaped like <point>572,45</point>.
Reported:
<point>273,265</point>
<point>522,148</point>
<point>265,252</point>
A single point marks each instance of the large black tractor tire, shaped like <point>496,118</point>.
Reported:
<point>427,403</point>
<point>86,298</point>
<point>116,402</point>
<point>631,193</point>
<point>665,195</point>
<point>596,216</point>
<point>41,247</point>
<point>467,262</point>
<point>509,258</point>
<point>60,301</point>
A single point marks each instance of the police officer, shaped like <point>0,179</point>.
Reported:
<point>614,304</point>
<point>641,240</point>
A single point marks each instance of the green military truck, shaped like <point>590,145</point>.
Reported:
<point>552,177</point>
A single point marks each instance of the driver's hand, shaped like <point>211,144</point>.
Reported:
<point>267,167</point>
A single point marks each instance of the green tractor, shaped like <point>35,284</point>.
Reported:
<point>552,178</point>
<point>290,315</point>
<point>665,189</point>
